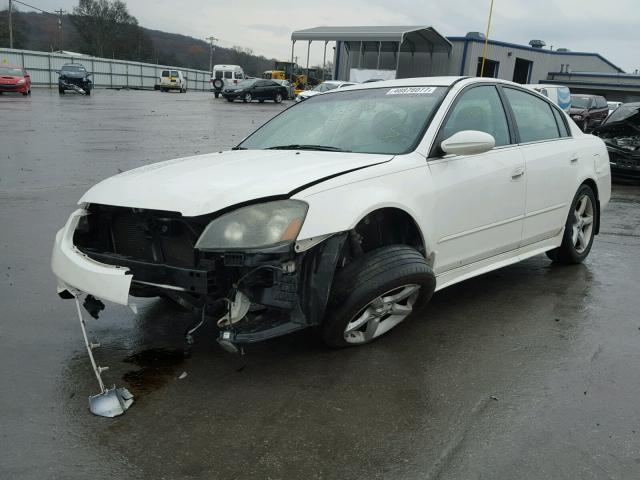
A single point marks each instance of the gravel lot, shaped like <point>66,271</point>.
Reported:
<point>528,372</point>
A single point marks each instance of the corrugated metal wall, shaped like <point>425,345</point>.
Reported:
<point>106,72</point>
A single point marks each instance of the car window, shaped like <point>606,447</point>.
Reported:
<point>165,73</point>
<point>534,118</point>
<point>478,108</point>
<point>562,126</point>
<point>14,72</point>
<point>218,74</point>
<point>602,102</point>
<point>174,73</point>
<point>377,120</point>
<point>228,75</point>
<point>578,101</point>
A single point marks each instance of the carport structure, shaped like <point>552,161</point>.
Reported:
<point>385,51</point>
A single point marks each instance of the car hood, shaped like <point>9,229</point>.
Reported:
<point>73,74</point>
<point>309,93</point>
<point>207,183</point>
<point>9,79</point>
<point>625,122</point>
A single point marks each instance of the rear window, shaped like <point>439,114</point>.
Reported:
<point>218,74</point>
<point>165,73</point>
<point>174,73</point>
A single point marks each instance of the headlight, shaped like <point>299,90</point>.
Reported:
<point>577,117</point>
<point>21,81</point>
<point>262,225</point>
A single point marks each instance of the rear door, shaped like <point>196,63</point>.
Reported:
<point>550,158</point>
<point>479,198</point>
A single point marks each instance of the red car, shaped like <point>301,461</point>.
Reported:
<point>14,79</point>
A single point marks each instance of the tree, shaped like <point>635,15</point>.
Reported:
<point>20,29</point>
<point>107,29</point>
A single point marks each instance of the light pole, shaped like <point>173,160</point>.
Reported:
<point>211,50</point>
<point>60,32</point>
<point>10,24</point>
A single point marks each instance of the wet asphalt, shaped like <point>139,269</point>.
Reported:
<point>529,372</point>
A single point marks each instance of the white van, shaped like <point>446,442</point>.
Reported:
<point>172,80</point>
<point>558,94</point>
<point>225,75</point>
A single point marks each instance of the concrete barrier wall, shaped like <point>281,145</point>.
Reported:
<point>107,73</point>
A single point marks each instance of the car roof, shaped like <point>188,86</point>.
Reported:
<point>590,95</point>
<point>428,82</point>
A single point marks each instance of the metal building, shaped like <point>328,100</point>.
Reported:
<point>385,52</point>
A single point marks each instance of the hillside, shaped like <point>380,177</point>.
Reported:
<point>39,31</point>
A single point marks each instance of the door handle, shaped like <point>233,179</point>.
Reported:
<point>574,159</point>
<point>517,173</point>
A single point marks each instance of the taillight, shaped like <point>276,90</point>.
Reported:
<point>235,81</point>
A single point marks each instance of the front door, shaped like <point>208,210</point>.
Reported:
<point>479,198</point>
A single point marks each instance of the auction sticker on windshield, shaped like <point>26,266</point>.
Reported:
<point>411,90</point>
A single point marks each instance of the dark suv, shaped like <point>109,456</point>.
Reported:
<point>588,111</point>
<point>73,76</point>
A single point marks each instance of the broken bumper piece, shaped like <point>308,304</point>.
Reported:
<point>77,272</point>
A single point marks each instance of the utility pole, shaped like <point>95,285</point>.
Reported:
<point>10,24</point>
<point>211,50</point>
<point>60,32</point>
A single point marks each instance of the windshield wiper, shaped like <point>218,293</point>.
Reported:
<point>239,148</point>
<point>322,148</point>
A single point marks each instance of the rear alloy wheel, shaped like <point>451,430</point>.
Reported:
<point>247,98</point>
<point>375,293</point>
<point>278,98</point>
<point>579,229</point>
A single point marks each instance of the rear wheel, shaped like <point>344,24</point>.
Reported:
<point>579,229</point>
<point>374,293</point>
<point>278,98</point>
<point>61,91</point>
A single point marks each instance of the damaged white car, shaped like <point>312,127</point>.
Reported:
<point>345,212</point>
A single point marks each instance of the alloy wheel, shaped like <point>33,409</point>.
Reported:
<point>582,228</point>
<point>382,314</point>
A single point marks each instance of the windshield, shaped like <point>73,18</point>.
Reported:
<point>325,87</point>
<point>379,120</point>
<point>580,102</point>
<point>621,113</point>
<point>14,72</point>
<point>74,68</point>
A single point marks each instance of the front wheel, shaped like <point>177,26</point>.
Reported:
<point>278,98</point>
<point>230,100</point>
<point>374,293</point>
<point>216,94</point>
<point>247,98</point>
<point>579,229</point>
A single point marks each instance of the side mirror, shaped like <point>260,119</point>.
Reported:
<point>468,142</point>
<point>26,75</point>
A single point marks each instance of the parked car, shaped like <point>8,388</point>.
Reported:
<point>290,88</point>
<point>14,79</point>
<point>256,89</point>
<point>621,133</point>
<point>588,111</point>
<point>172,80</point>
<point>381,195</point>
<point>612,106</point>
<point>324,87</point>
<point>558,94</point>
<point>74,76</point>
<point>226,76</point>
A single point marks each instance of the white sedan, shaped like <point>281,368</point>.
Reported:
<point>324,87</point>
<point>345,212</point>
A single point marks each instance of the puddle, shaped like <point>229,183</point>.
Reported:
<point>156,367</point>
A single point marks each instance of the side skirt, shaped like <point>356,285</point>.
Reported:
<point>456,275</point>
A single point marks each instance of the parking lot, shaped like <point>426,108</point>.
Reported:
<point>528,372</point>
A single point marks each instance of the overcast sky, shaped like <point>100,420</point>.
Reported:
<point>608,27</point>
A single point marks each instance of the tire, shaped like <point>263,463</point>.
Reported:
<point>361,286</point>
<point>247,98</point>
<point>87,92</point>
<point>216,94</point>
<point>582,218</point>
<point>261,101</point>
<point>61,91</point>
<point>25,93</point>
<point>278,98</point>
<point>230,100</point>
